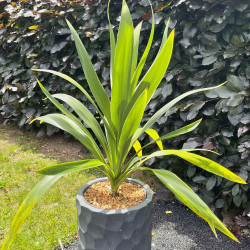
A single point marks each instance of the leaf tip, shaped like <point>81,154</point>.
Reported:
<point>40,171</point>
<point>243,182</point>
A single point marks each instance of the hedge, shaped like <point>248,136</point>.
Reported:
<point>211,46</point>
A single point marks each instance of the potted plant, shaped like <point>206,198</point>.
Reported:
<point>121,116</point>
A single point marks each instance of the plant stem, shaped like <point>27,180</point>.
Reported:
<point>114,187</point>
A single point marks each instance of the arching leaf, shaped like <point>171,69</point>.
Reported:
<point>38,191</point>
<point>190,199</point>
<point>166,107</point>
<point>87,117</point>
<point>154,135</point>
<point>65,123</point>
<point>199,161</point>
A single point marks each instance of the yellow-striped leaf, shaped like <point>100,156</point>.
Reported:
<point>190,199</point>
<point>137,148</point>
<point>199,161</point>
<point>175,133</point>
<point>154,135</point>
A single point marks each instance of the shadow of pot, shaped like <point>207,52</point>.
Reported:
<point>114,229</point>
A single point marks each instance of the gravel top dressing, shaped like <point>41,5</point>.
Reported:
<point>184,230</point>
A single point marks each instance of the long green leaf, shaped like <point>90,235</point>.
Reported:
<point>112,46</point>
<point>165,108</point>
<point>176,133</point>
<point>87,118</point>
<point>189,198</point>
<point>63,110</point>
<point>158,69</point>
<point>71,80</point>
<point>95,85</point>
<point>131,124</point>
<point>165,37</point>
<point>155,73</point>
<point>200,149</point>
<point>122,67</point>
<point>32,198</point>
<point>137,31</point>
<point>199,161</point>
<point>133,162</point>
<point>69,167</point>
<point>137,73</point>
<point>190,127</point>
<point>41,187</point>
<point>107,123</point>
<point>64,123</point>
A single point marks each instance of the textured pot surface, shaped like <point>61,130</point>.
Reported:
<point>114,229</point>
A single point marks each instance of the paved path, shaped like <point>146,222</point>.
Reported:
<point>184,230</point>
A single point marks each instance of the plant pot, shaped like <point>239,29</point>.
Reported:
<point>114,229</point>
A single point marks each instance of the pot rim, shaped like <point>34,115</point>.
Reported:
<point>148,197</point>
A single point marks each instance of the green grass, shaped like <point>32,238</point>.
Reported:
<point>54,217</point>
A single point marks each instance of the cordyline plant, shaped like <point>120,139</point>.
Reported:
<point>122,116</point>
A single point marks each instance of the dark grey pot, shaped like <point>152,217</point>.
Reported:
<point>114,229</point>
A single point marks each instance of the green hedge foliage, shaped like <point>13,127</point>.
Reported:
<point>211,46</point>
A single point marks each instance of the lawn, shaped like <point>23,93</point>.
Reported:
<point>54,217</point>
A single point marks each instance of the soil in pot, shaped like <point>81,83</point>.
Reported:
<point>99,195</point>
